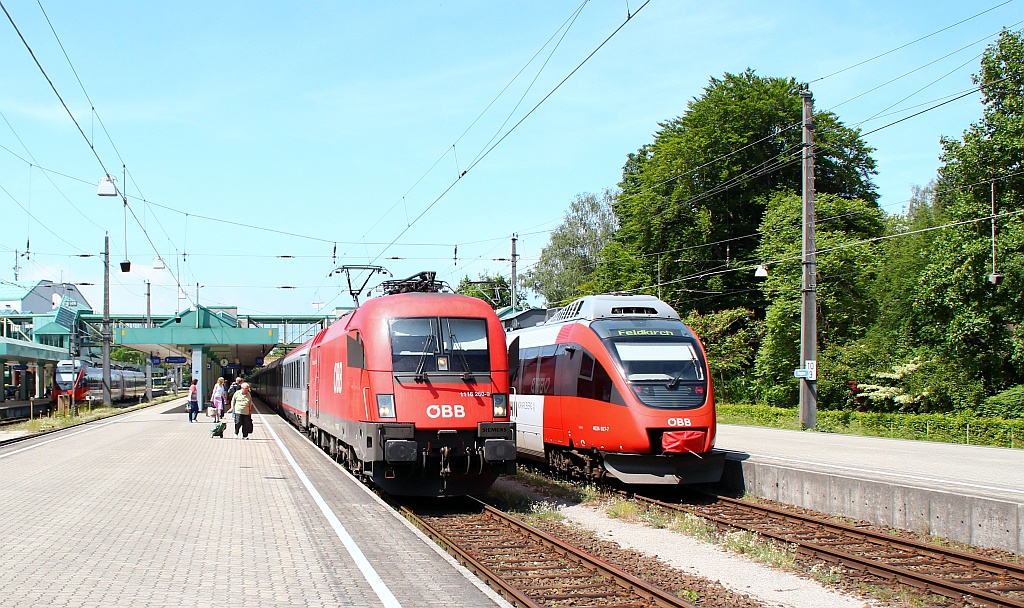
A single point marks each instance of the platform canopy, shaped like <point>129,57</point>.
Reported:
<point>217,333</point>
<point>19,350</point>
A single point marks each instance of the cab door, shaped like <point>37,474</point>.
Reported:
<point>314,398</point>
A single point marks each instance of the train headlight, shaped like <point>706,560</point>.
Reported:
<point>500,405</point>
<point>386,406</point>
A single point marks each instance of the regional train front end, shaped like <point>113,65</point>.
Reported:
<point>617,386</point>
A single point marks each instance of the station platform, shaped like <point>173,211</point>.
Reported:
<point>964,493</point>
<point>147,509</point>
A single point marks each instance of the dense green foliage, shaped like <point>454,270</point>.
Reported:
<point>700,189</point>
<point>909,317</point>
<point>495,290</point>
<point>922,427</point>
<point>124,354</point>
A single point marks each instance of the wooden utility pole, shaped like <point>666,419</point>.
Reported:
<point>149,356</point>
<point>809,307</point>
<point>107,334</point>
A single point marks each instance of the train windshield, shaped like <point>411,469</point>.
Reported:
<point>439,344</point>
<point>660,360</point>
<point>66,373</point>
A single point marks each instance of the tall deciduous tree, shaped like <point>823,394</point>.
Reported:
<point>698,192</point>
<point>959,312</point>
<point>571,256</point>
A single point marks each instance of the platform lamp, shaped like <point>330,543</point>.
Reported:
<point>108,187</point>
<point>760,271</point>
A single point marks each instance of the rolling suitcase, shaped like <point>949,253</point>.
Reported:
<point>218,430</point>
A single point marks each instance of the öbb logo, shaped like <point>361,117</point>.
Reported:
<point>339,370</point>
<point>679,422</point>
<point>446,411</point>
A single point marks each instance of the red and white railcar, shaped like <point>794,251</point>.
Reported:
<point>410,390</point>
<point>81,380</point>
<point>616,385</point>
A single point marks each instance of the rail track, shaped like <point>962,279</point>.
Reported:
<point>939,570</point>
<point>530,568</point>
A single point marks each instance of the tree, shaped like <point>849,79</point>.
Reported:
<point>698,192</point>
<point>974,325</point>
<point>495,290</point>
<point>730,338</point>
<point>846,272</point>
<point>127,355</point>
<point>571,256</point>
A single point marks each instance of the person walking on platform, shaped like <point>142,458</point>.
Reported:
<point>241,403</point>
<point>193,400</point>
<point>234,388</point>
<point>218,400</point>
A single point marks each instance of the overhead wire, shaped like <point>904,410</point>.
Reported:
<point>912,42</point>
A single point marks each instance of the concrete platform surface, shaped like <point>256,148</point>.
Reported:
<point>969,494</point>
<point>146,509</point>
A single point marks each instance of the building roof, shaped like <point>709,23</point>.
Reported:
<point>51,329</point>
<point>10,290</point>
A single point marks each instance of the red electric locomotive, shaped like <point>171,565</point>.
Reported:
<point>616,385</point>
<point>410,390</point>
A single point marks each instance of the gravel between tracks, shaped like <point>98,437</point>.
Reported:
<point>670,559</point>
<point>773,587</point>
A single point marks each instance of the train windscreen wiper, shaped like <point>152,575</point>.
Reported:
<point>420,376</point>
<point>456,346</point>
<point>675,379</point>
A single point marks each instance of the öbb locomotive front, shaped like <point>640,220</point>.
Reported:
<point>410,391</point>
<point>618,386</point>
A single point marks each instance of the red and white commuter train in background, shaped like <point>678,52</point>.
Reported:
<point>616,385</point>
<point>83,379</point>
<point>410,390</point>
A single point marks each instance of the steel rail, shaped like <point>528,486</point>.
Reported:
<point>502,586</point>
<point>947,587</point>
<point>620,577</point>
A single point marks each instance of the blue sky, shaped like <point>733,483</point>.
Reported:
<point>348,123</point>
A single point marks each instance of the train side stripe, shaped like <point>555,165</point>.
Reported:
<point>371,576</point>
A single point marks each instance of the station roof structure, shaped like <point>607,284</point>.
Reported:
<point>217,331</point>
<point>14,351</point>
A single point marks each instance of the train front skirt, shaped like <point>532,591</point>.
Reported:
<point>665,470</point>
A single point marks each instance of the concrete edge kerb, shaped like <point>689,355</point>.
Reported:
<point>473,579</point>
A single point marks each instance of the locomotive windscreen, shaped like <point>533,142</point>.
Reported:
<point>439,344</point>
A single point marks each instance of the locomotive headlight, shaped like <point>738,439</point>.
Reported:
<point>386,406</point>
<point>500,405</point>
